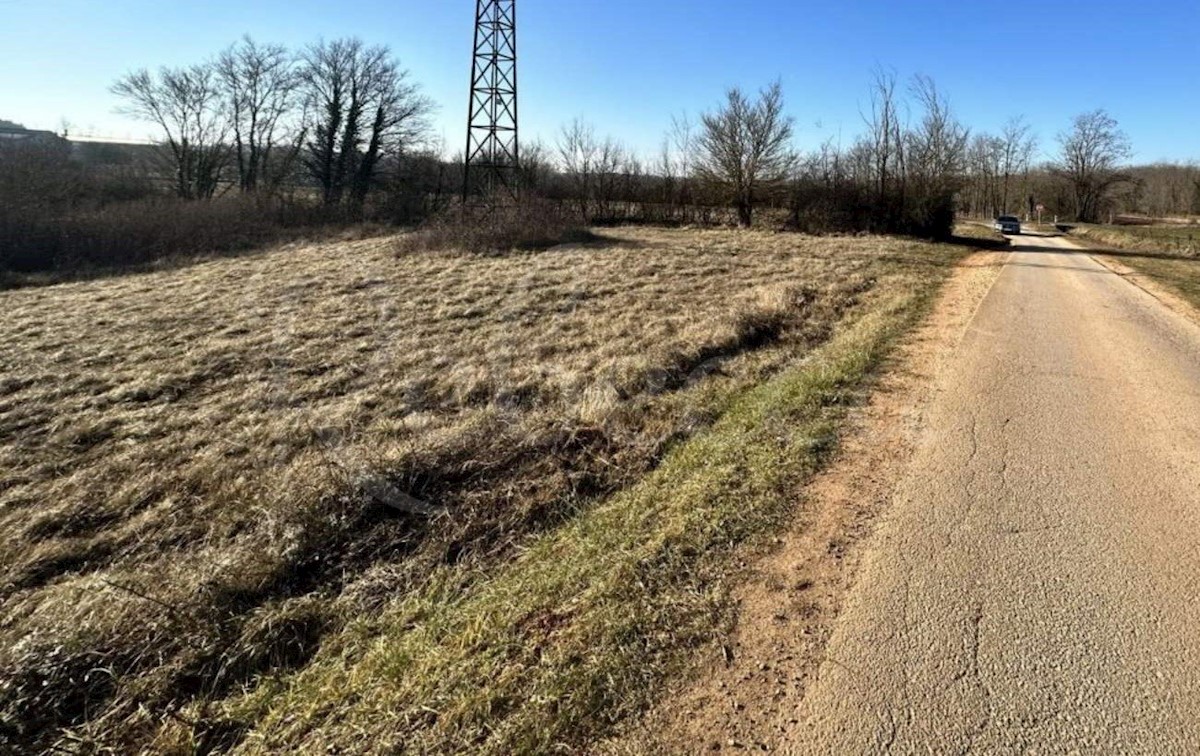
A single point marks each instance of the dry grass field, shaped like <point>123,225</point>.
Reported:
<point>228,488</point>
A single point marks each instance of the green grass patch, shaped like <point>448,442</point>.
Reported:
<point>552,649</point>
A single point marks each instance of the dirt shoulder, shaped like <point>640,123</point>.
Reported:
<point>744,695</point>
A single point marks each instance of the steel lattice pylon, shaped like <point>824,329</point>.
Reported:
<point>493,153</point>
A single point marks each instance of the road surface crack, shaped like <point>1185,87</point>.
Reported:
<point>906,681</point>
<point>985,692</point>
<point>964,507</point>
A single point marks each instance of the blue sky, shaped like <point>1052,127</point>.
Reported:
<point>628,65</point>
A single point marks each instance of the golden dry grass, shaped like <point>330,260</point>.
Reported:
<point>189,455</point>
<point>1175,239</point>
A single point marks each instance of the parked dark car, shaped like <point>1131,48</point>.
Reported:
<point>1008,224</point>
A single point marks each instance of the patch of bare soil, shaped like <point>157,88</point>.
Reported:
<point>747,690</point>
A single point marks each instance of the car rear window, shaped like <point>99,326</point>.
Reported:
<point>1009,219</point>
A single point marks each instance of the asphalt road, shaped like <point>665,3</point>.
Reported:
<point>1035,586</point>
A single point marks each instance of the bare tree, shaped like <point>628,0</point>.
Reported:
<point>38,177</point>
<point>884,140</point>
<point>578,153</point>
<point>1164,189</point>
<point>186,104</point>
<point>595,169</point>
<point>683,144</point>
<point>985,165</point>
<point>1090,162</point>
<point>933,163</point>
<point>614,168</point>
<point>1017,145</point>
<point>259,88</point>
<point>938,145</point>
<point>916,172</point>
<point>666,167</point>
<point>746,147</point>
<point>676,161</point>
<point>361,109</point>
<point>536,167</point>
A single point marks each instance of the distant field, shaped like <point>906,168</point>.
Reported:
<point>196,553</point>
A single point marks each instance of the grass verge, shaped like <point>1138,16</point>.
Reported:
<point>1181,240</point>
<point>572,637</point>
<point>981,234</point>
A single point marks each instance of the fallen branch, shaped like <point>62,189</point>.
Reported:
<point>388,495</point>
<point>144,596</point>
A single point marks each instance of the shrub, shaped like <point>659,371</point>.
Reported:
<point>531,223</point>
<point>139,233</point>
<point>820,208</point>
<point>129,233</point>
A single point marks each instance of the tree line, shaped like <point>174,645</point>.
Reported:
<point>914,167</point>
<point>740,157</point>
<point>339,132</point>
<point>344,119</point>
